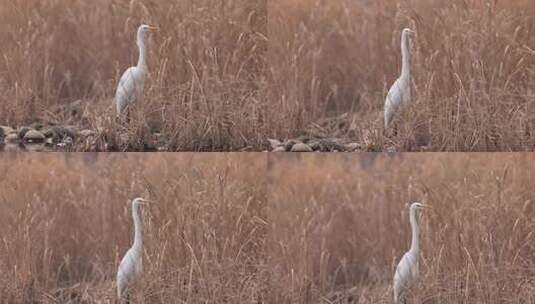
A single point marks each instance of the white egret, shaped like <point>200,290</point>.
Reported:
<point>131,84</point>
<point>131,266</point>
<point>407,270</point>
<point>400,92</point>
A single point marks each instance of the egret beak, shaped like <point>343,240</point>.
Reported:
<point>425,206</point>
<point>145,201</point>
<point>154,28</point>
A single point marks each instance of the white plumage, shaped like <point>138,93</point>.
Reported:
<point>407,271</point>
<point>131,266</point>
<point>400,92</point>
<point>130,86</point>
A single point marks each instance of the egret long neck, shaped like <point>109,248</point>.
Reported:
<point>405,56</point>
<point>138,242</point>
<point>415,231</point>
<point>141,62</point>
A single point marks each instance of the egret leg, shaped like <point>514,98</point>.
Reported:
<point>403,298</point>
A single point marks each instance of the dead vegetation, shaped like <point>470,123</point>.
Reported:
<point>473,77</point>
<point>219,84</point>
<point>338,228</point>
<point>206,89</point>
<point>66,222</point>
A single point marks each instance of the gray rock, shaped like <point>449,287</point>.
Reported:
<point>7,130</point>
<point>58,133</point>
<point>290,143</point>
<point>274,143</point>
<point>301,147</point>
<point>48,132</point>
<point>12,138</point>
<point>350,147</point>
<point>34,136</point>
<point>314,145</point>
<point>23,131</point>
<point>326,145</point>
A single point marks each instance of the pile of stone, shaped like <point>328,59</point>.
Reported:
<point>313,145</point>
<point>36,134</point>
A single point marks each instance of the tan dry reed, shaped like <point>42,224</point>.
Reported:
<point>473,77</point>
<point>66,222</point>
<point>207,69</point>
<point>337,224</point>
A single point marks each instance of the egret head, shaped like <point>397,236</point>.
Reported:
<point>146,28</point>
<point>418,206</point>
<point>139,201</point>
<point>142,30</point>
<point>407,31</point>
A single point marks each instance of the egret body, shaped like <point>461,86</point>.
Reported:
<point>131,266</point>
<point>130,86</point>
<point>400,92</point>
<point>407,270</point>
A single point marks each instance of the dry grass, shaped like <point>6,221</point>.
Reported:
<point>336,224</point>
<point>207,64</point>
<point>66,222</point>
<point>473,71</point>
<point>218,84</point>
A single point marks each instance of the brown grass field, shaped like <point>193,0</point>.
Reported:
<point>339,225</point>
<point>473,72</point>
<point>65,223</point>
<point>227,75</point>
<point>207,82</point>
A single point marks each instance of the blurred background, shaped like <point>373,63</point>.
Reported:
<point>66,222</point>
<point>62,59</point>
<point>340,224</point>
<point>473,82</point>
